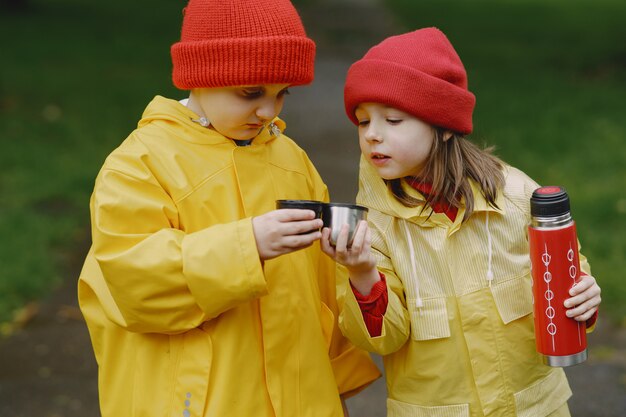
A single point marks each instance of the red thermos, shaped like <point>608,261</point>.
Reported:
<point>555,269</point>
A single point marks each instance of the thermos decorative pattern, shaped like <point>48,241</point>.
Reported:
<point>555,269</point>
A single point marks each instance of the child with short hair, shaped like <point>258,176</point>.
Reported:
<point>440,279</point>
<point>201,299</point>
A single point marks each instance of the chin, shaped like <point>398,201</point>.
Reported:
<point>389,177</point>
<point>249,134</point>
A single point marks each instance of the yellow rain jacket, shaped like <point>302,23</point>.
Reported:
<point>184,318</point>
<point>454,342</point>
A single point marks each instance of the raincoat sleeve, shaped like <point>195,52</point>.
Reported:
<point>159,278</point>
<point>396,323</point>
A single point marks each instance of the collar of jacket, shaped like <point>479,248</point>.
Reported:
<point>374,193</point>
<point>172,115</point>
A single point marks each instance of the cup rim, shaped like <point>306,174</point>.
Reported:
<point>301,202</point>
<point>347,205</point>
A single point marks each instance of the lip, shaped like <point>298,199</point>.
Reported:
<point>379,159</point>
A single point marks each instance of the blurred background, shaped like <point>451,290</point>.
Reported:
<point>75,76</point>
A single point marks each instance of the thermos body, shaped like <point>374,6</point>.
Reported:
<point>555,269</point>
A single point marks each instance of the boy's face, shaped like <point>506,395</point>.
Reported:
<point>395,143</point>
<point>240,112</point>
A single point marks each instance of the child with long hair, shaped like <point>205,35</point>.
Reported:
<point>201,299</point>
<point>440,281</point>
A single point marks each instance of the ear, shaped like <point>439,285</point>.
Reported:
<point>447,135</point>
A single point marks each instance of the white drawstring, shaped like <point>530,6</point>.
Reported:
<point>418,299</point>
<point>489,251</point>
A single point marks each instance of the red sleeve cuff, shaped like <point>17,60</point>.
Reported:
<point>377,290</point>
<point>373,306</point>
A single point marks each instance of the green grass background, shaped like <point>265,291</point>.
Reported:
<point>75,76</point>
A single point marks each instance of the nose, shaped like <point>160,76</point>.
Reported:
<point>268,109</point>
<point>372,134</point>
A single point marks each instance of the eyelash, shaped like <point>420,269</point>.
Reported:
<point>390,121</point>
<point>254,94</point>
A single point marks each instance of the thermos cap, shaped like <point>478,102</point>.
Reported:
<point>549,201</point>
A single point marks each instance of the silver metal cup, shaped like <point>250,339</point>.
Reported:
<point>335,215</point>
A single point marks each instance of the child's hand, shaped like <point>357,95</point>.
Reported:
<point>358,258</point>
<point>585,299</point>
<point>279,232</point>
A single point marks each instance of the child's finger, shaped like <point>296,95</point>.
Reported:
<point>368,237</point>
<point>291,215</point>
<point>581,305</point>
<point>576,300</point>
<point>305,226</point>
<point>300,241</point>
<point>581,314</point>
<point>584,294</point>
<point>359,236</point>
<point>342,240</point>
<point>581,286</point>
<point>325,242</point>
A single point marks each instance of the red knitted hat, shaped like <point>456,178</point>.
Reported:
<point>418,72</point>
<point>242,42</point>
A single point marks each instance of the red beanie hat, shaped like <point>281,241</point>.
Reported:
<point>417,72</point>
<point>242,42</point>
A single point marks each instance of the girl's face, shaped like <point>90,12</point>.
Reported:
<point>240,112</point>
<point>395,143</point>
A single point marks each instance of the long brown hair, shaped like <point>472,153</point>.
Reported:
<point>449,167</point>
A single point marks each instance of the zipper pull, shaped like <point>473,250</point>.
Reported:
<point>273,129</point>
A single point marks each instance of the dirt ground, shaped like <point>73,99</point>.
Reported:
<point>47,368</point>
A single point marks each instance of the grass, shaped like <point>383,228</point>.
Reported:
<point>74,78</point>
<point>550,81</point>
<point>76,75</point>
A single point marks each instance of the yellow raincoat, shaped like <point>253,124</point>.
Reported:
<point>456,343</point>
<point>184,318</point>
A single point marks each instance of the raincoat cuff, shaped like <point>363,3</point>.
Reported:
<point>354,371</point>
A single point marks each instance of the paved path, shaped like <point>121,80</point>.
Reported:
<point>47,368</point>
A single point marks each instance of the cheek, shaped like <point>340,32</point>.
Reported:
<point>362,141</point>
<point>218,119</point>
<point>279,105</point>
<point>407,149</point>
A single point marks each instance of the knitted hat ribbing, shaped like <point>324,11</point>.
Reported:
<point>241,42</point>
<point>418,72</point>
